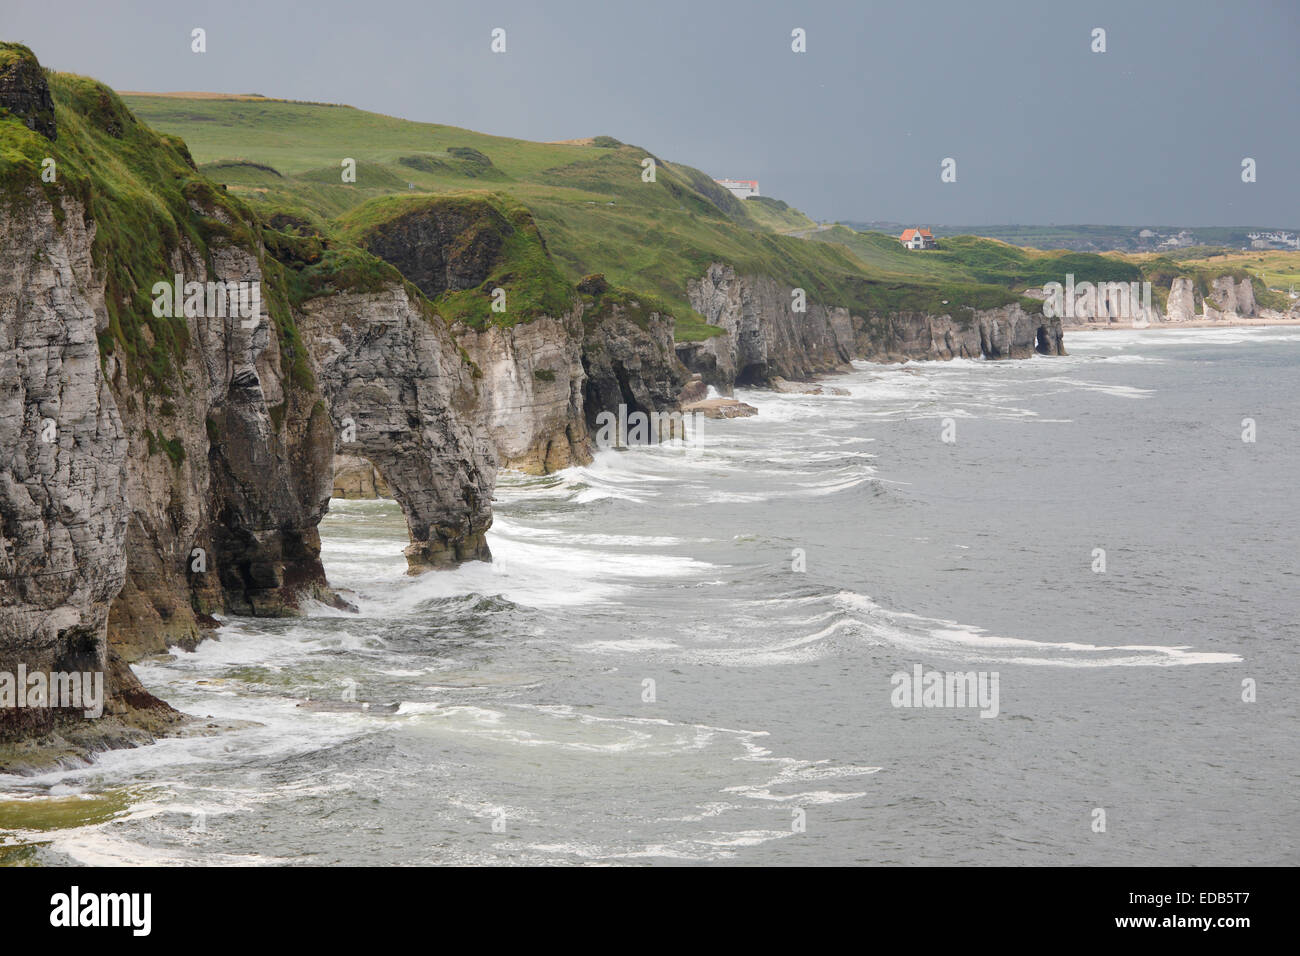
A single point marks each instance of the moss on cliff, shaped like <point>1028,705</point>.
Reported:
<point>147,201</point>
<point>478,257</point>
<point>601,301</point>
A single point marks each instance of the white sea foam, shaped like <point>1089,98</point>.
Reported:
<point>932,636</point>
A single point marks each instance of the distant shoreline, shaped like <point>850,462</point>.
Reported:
<point>1192,324</point>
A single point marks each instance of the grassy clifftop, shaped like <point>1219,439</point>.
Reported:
<point>593,210</point>
<point>464,250</point>
<point>251,168</point>
<point>143,192</point>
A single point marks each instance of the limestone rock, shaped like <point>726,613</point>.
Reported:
<point>401,395</point>
<point>629,361</point>
<point>1231,299</point>
<point>1181,306</point>
<point>356,477</point>
<point>764,336</point>
<point>693,391</point>
<point>64,509</point>
<point>779,384</point>
<point>720,408</point>
<point>248,492</point>
<point>765,339</point>
<point>530,393</point>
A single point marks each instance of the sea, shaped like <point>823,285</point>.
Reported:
<point>748,648</point>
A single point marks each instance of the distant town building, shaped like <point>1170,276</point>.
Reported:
<point>1274,240</point>
<point>917,239</point>
<point>740,188</point>
<point>1180,241</point>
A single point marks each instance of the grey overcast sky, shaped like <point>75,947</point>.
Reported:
<point>1043,130</point>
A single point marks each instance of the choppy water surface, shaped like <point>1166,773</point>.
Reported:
<point>525,734</point>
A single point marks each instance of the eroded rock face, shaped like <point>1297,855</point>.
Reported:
<point>530,393</point>
<point>1246,298</point>
<point>1233,299</point>
<point>448,249</point>
<point>400,394</point>
<point>766,340</point>
<point>355,477</point>
<point>693,391</point>
<point>765,337</point>
<point>25,93</point>
<point>231,525</point>
<point>1108,303</point>
<point>63,475</point>
<point>1181,306</point>
<point>1008,332</point>
<point>1229,299</point>
<point>630,363</point>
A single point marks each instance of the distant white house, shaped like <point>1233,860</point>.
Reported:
<point>740,188</point>
<point>917,239</point>
<point>1274,240</point>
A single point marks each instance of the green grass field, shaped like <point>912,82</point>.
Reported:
<point>1277,269</point>
<point>590,203</point>
<point>572,209</point>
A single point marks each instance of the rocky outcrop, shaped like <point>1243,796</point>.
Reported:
<point>1229,299</point>
<point>1121,304</point>
<point>720,408</point>
<point>528,367</point>
<point>355,477</point>
<point>1008,332</point>
<point>64,508</point>
<point>693,391</point>
<point>766,339</point>
<point>24,92</point>
<point>530,392</point>
<point>444,245</point>
<point>400,393</point>
<point>1181,306</point>
<point>779,384</point>
<point>1246,298</point>
<point>271,459</point>
<point>765,335</point>
<point>628,359</point>
<point>229,476</point>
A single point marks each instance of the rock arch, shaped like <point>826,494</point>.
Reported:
<point>401,394</point>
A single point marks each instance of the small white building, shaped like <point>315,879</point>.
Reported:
<point>740,188</point>
<point>918,239</point>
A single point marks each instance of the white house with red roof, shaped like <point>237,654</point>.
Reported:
<point>918,239</point>
<point>740,188</point>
